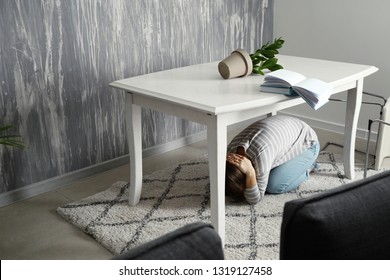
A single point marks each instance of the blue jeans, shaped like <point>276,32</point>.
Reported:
<point>291,174</point>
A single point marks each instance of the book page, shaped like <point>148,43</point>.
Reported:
<point>316,88</point>
<point>315,92</point>
<point>283,77</point>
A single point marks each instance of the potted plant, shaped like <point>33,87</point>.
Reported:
<point>10,139</point>
<point>240,63</point>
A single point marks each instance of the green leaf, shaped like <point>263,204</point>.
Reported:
<point>4,128</point>
<point>269,63</point>
<point>257,60</point>
<point>264,58</point>
<point>10,139</point>
<point>275,67</point>
<point>268,53</point>
<point>12,143</point>
<point>256,70</point>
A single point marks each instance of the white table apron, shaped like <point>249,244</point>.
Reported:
<point>217,123</point>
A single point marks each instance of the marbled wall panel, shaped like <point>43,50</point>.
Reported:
<point>58,57</point>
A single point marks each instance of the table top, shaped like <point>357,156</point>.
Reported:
<point>201,86</point>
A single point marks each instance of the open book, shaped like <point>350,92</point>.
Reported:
<point>314,91</point>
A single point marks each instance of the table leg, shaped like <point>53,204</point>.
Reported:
<point>134,131</point>
<point>216,141</point>
<point>354,101</point>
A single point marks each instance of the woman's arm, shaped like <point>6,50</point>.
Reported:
<point>253,195</point>
<point>246,167</point>
<point>252,192</point>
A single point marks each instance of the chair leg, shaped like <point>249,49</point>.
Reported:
<point>370,122</point>
<point>367,147</point>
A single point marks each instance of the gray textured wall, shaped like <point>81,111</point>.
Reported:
<point>57,58</point>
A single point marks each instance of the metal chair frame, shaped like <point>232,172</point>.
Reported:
<point>370,122</point>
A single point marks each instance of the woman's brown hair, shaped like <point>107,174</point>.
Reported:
<point>234,181</point>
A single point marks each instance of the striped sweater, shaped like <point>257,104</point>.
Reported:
<point>269,143</point>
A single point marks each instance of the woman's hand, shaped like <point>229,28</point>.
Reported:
<point>243,163</point>
<point>246,167</point>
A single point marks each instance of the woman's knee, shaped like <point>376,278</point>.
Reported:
<point>276,188</point>
<point>283,186</point>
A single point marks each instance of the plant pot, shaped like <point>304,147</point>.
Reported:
<point>238,64</point>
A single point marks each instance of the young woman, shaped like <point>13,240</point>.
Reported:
<point>273,155</point>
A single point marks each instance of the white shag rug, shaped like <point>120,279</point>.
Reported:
<point>179,195</point>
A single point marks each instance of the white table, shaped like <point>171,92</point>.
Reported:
<point>200,94</point>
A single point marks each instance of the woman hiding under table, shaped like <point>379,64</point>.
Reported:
<point>274,155</point>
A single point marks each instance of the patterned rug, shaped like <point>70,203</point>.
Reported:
<point>179,195</point>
